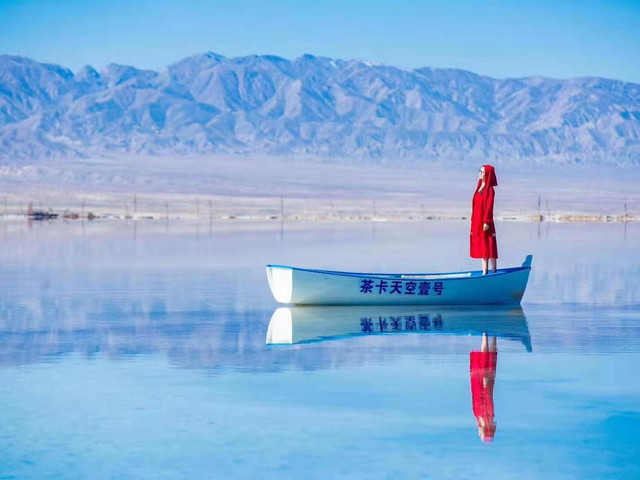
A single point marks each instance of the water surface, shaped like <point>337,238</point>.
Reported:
<point>142,350</point>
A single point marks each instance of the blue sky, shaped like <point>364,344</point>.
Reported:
<point>498,38</point>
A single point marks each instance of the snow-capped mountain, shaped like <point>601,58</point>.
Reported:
<point>312,105</point>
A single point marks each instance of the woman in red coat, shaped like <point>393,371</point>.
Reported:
<point>483,230</point>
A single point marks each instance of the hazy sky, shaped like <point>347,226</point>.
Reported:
<point>559,38</point>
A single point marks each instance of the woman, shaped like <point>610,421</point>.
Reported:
<point>483,230</point>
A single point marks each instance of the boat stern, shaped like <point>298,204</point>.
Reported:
<point>518,293</point>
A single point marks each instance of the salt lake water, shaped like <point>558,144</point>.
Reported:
<point>140,350</point>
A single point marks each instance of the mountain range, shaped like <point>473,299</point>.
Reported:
<point>312,105</point>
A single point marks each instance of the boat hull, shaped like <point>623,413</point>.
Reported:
<point>297,286</point>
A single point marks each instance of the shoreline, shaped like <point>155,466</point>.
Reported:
<point>317,218</point>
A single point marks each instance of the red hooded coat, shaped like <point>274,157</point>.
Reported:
<point>484,244</point>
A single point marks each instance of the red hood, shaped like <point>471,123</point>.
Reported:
<point>489,432</point>
<point>490,178</point>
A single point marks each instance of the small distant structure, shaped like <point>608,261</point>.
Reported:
<point>40,214</point>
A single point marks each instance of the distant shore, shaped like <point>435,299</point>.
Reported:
<point>209,215</point>
<point>256,189</point>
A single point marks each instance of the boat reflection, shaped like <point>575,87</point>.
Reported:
<point>292,325</point>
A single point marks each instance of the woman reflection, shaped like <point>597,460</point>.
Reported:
<point>483,377</point>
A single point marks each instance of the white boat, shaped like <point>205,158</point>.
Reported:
<point>292,325</point>
<point>302,286</point>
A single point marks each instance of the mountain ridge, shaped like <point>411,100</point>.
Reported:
<point>209,103</point>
